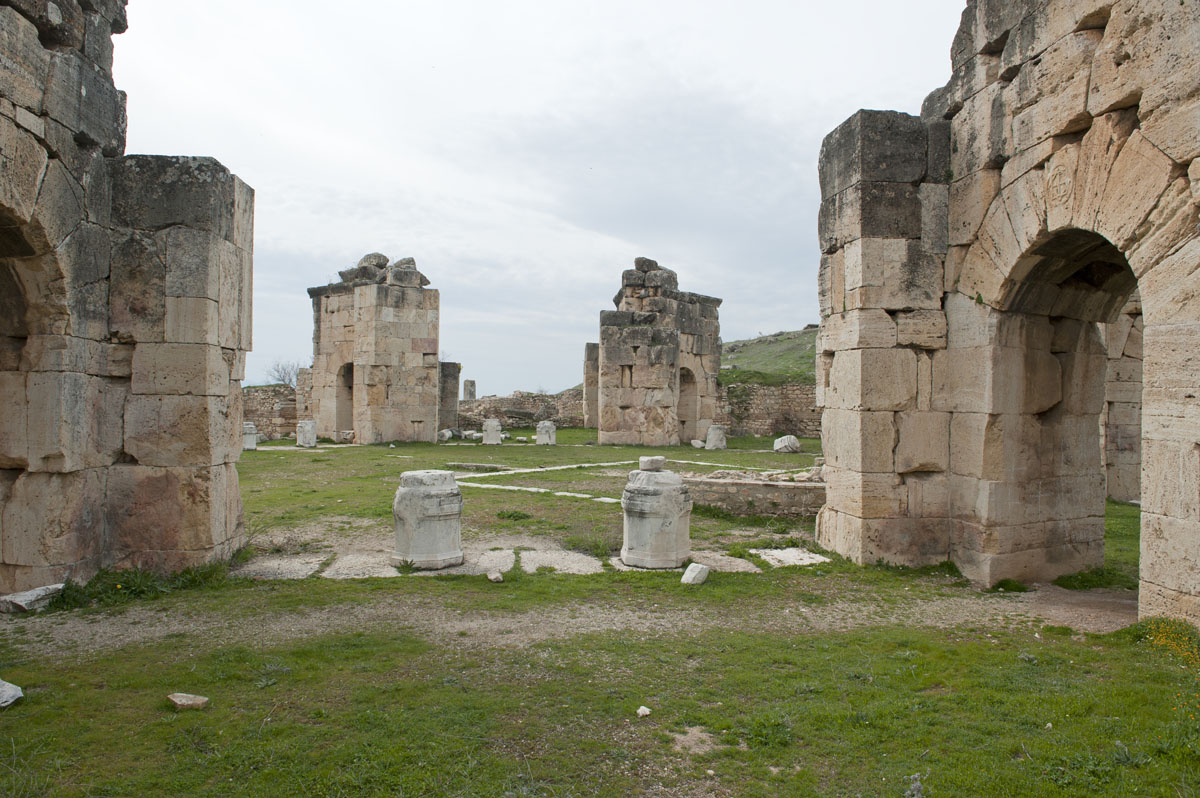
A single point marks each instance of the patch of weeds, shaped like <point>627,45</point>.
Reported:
<point>1057,631</point>
<point>1098,577</point>
<point>597,544</point>
<point>769,730</point>
<point>111,588</point>
<point>513,515</point>
<point>406,567</point>
<point>1008,586</point>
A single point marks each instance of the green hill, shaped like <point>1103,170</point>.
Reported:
<point>771,359</point>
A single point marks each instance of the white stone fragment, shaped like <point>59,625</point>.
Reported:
<point>788,444</point>
<point>697,444</point>
<point>658,512</point>
<point>9,693</point>
<point>695,574</point>
<point>249,436</point>
<point>445,435</point>
<point>188,701</point>
<point>495,576</point>
<point>547,433</point>
<point>29,600</point>
<point>428,520</point>
<point>522,439</point>
<point>715,438</point>
<point>491,432</point>
<point>643,711</point>
<point>306,434</point>
<point>793,556</point>
<point>652,463</point>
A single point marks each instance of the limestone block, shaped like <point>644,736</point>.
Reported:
<point>1139,176</point>
<point>428,520</point>
<point>306,434</point>
<point>900,541</point>
<point>59,208</point>
<point>137,289</point>
<point>995,447</point>
<point>1050,94</point>
<point>971,196</point>
<point>1098,151</point>
<point>872,379</point>
<point>865,495</point>
<point>81,97</point>
<point>547,433</point>
<point>178,369</point>
<point>1059,191</point>
<point>153,192</point>
<point>25,63</point>
<point>1171,288</point>
<point>181,430</point>
<point>924,442</point>
<point>657,520</point>
<point>715,438</point>
<point>1171,552</point>
<point>25,160</point>
<point>1171,478</point>
<point>996,380</point>
<point>857,440</point>
<point>74,421</point>
<point>1083,381</point>
<point>190,320</point>
<point>491,432</point>
<point>831,283</point>
<point>54,519</point>
<point>884,146</point>
<point>935,216</point>
<point>971,324</point>
<point>14,436</point>
<point>978,138</point>
<point>788,444</point>
<point>871,210</point>
<point>172,518</point>
<point>696,574</point>
<point>1070,444</point>
<point>869,328</point>
<point>1173,127</point>
<point>925,329</point>
<point>928,494</point>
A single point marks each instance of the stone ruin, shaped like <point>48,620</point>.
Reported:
<point>376,375</point>
<point>657,361</point>
<point>1121,418</point>
<point>968,255</point>
<point>125,295</point>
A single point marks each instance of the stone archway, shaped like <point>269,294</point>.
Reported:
<point>968,256</point>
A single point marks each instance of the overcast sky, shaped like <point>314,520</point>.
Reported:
<point>526,151</point>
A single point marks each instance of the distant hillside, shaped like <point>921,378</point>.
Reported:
<point>771,359</point>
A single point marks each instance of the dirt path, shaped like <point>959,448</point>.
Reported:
<point>64,635</point>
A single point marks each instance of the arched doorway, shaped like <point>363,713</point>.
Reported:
<point>688,410</point>
<point>344,410</point>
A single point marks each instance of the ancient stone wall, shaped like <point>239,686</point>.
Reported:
<point>753,409</point>
<point>968,256</point>
<point>125,296</point>
<point>375,370</point>
<point>1121,419</point>
<point>524,409</point>
<point>271,409</point>
<point>660,353</point>
<point>753,497</point>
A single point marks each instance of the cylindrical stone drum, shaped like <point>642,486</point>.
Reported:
<point>428,515</point>
<point>658,513</point>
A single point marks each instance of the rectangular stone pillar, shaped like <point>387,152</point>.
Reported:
<point>468,390</point>
<point>591,385</point>
<point>448,390</point>
<point>887,450</point>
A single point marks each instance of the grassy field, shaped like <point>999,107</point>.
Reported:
<point>771,359</point>
<point>796,681</point>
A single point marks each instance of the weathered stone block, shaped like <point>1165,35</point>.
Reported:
<point>925,329</point>
<point>657,520</point>
<point>924,442</point>
<point>857,440</point>
<point>181,430</point>
<point>869,328</point>
<point>153,192</point>
<point>55,520</point>
<point>872,379</point>
<point>428,520</point>
<point>865,495</point>
<point>24,62</point>
<point>874,146</point>
<point>24,164</point>
<point>177,369</point>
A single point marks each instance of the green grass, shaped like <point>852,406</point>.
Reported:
<point>784,357</point>
<point>1122,535</point>
<point>836,714</point>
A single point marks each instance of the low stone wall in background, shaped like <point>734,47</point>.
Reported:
<point>747,497</point>
<point>524,409</point>
<point>271,409</point>
<point>751,409</point>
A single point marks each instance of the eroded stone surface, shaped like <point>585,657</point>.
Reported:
<point>428,520</point>
<point>657,520</point>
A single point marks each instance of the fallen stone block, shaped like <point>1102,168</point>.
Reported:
<point>306,434</point>
<point>695,574</point>
<point>715,438</point>
<point>187,701</point>
<point>697,444</point>
<point>788,444</point>
<point>495,576</point>
<point>9,693</point>
<point>30,600</point>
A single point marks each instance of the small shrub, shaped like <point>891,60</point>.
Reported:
<point>513,515</point>
<point>1097,577</point>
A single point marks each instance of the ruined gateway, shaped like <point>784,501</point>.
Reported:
<point>376,375</point>
<point>652,380</point>
<point>968,254</point>
<point>125,292</point>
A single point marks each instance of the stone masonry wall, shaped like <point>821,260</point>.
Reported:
<point>969,255</point>
<point>752,409</point>
<point>744,497</point>
<point>660,352</point>
<point>271,408</point>
<point>125,315</point>
<point>375,372</point>
<point>523,409</point>
<point>1121,420</point>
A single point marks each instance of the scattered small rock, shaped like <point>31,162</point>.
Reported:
<point>9,693</point>
<point>188,701</point>
<point>495,576</point>
<point>643,711</point>
<point>697,444</point>
<point>695,574</point>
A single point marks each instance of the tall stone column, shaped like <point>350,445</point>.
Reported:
<point>591,385</point>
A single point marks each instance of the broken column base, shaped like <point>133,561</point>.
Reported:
<point>658,510</point>
<point>428,521</point>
